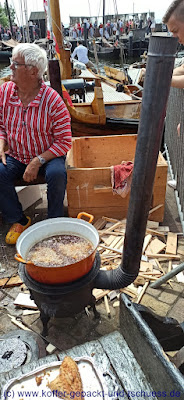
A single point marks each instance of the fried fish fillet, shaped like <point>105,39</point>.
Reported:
<point>69,380</point>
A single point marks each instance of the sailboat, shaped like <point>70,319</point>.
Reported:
<point>98,117</point>
<point>104,49</point>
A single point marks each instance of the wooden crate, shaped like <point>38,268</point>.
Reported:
<point>89,181</point>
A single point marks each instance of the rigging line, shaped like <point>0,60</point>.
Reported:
<point>89,8</point>
<point>99,9</point>
<point>13,5</point>
<point>57,26</point>
<point>115,8</point>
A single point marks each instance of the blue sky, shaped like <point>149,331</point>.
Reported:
<point>94,7</point>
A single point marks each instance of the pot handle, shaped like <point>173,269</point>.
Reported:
<point>90,216</point>
<point>20,259</point>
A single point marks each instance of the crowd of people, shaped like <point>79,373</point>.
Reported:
<point>111,28</point>
<point>20,33</point>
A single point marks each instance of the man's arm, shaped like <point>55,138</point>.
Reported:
<point>178,77</point>
<point>2,152</point>
<point>74,53</point>
<point>31,171</point>
<point>62,141</point>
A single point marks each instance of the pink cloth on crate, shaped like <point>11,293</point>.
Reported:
<point>121,177</point>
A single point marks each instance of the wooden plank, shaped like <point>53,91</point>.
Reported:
<point>13,281</point>
<point>141,294</point>
<point>155,247</point>
<point>110,211</point>
<point>171,245</point>
<point>125,364</point>
<point>147,240</point>
<point>152,224</point>
<point>23,300</point>
<point>95,150</point>
<point>155,232</point>
<point>161,269</point>
<point>107,306</point>
<point>108,240</point>
<point>112,247</point>
<point>88,177</point>
<point>95,350</point>
<point>105,232</point>
<point>100,293</point>
<point>100,224</point>
<point>155,208</point>
<point>113,226</point>
<point>146,266</point>
<point>164,256</point>
<point>86,198</point>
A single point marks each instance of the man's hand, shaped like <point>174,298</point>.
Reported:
<point>31,171</point>
<point>2,152</point>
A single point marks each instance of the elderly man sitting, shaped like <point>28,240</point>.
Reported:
<point>35,124</point>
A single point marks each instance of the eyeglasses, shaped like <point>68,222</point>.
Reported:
<point>16,64</point>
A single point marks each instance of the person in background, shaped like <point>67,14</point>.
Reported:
<point>153,25</point>
<point>35,124</point>
<point>101,30</point>
<point>148,29</point>
<point>82,55</point>
<point>174,19</point>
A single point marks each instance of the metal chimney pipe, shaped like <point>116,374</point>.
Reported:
<point>161,55</point>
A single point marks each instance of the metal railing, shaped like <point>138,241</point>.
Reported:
<point>174,144</point>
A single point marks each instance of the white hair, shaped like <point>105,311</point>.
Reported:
<point>33,55</point>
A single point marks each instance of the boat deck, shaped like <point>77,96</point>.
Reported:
<point>109,93</point>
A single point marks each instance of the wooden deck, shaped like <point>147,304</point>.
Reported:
<point>109,93</point>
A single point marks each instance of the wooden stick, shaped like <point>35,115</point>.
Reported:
<point>109,230</point>
<point>101,295</point>
<point>161,269</point>
<point>10,282</point>
<point>107,306</point>
<point>154,232</point>
<point>110,248</point>
<point>150,277</point>
<point>164,256</point>
<point>169,269</point>
<point>150,273</point>
<point>18,323</point>
<point>169,266</point>
<point>155,208</point>
<point>106,232</point>
<point>110,219</point>
<point>141,294</point>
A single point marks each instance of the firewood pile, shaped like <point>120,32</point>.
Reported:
<point>160,250</point>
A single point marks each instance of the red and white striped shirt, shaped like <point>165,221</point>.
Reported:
<point>43,125</point>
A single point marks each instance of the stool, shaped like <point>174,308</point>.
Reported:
<point>40,180</point>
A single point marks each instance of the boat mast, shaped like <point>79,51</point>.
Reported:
<point>103,16</point>
<point>26,20</point>
<point>57,30</point>
<point>9,17</point>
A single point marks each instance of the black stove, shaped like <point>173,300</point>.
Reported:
<point>63,300</point>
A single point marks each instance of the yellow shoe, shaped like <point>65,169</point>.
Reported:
<point>15,231</point>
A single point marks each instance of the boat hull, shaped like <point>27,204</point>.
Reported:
<point>106,53</point>
<point>112,127</point>
<point>5,56</point>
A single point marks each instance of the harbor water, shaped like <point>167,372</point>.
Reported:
<point>120,64</point>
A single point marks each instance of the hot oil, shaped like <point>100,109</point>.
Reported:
<point>60,250</point>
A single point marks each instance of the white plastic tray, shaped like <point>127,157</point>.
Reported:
<point>26,387</point>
